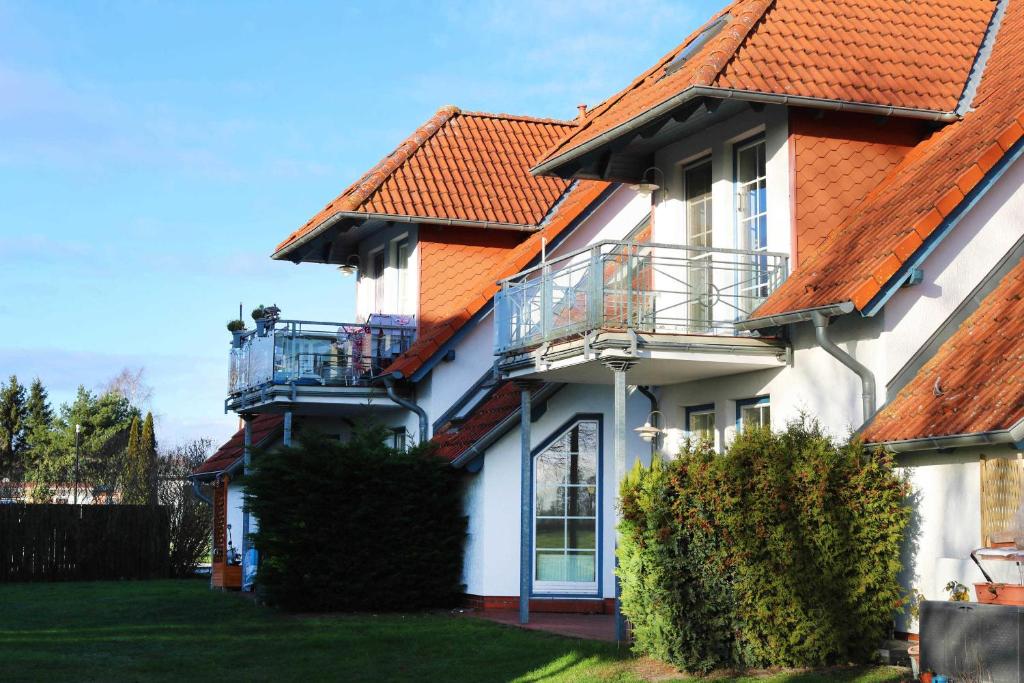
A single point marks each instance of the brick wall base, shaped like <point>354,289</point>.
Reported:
<point>557,605</point>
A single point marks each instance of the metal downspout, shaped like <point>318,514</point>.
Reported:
<point>389,384</point>
<point>867,378</point>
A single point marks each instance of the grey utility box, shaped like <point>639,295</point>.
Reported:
<point>972,642</point>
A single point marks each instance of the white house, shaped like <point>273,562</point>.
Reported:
<point>790,212</point>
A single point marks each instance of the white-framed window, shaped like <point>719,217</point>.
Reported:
<point>697,199</point>
<point>753,412</point>
<point>566,508</point>
<point>700,423</point>
<point>378,270</point>
<point>751,181</point>
<point>400,258</point>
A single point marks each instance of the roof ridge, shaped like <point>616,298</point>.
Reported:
<point>518,117</point>
<point>371,181</point>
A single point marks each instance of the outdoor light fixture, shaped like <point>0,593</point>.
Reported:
<point>649,432</point>
<point>648,187</point>
<point>350,266</point>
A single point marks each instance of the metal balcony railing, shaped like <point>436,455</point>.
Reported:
<point>305,352</point>
<point>641,286</point>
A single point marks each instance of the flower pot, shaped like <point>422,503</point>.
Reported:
<point>1000,593</point>
<point>236,339</point>
<point>261,327</point>
<point>925,677</point>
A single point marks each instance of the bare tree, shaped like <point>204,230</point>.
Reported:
<point>130,384</point>
<point>191,519</point>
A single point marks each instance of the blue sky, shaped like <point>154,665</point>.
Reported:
<point>153,153</point>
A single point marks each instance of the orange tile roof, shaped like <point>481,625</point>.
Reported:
<point>974,383</point>
<point>465,166</point>
<point>906,207</point>
<point>893,53</point>
<point>836,161</point>
<point>461,279</point>
<point>455,439</point>
<point>264,426</point>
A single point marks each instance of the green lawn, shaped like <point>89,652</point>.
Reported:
<point>180,630</point>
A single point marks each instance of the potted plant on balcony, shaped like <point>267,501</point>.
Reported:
<point>237,329</point>
<point>259,314</point>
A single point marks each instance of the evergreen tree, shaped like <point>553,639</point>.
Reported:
<point>147,454</point>
<point>133,489</point>
<point>105,422</point>
<point>12,426</point>
<point>39,420</point>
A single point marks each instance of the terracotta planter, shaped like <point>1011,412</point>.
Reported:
<point>1000,593</point>
<point>926,677</point>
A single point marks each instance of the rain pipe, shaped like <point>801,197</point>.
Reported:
<point>867,378</point>
<point>389,384</point>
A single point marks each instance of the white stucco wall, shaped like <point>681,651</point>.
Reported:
<point>718,142</point>
<point>492,552</point>
<point>946,525</point>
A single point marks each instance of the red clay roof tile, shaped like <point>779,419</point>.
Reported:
<point>455,439</point>
<point>469,166</point>
<point>974,383</point>
<point>264,427</point>
<point>927,185</point>
<point>894,53</point>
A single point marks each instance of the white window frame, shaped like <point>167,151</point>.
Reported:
<point>572,588</point>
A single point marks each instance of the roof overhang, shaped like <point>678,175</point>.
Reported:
<point>336,221</point>
<point>1014,436</point>
<point>600,150</point>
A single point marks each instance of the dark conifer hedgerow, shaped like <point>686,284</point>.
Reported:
<point>357,525</point>
<point>784,551</point>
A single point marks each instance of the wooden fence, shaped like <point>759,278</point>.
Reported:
<point>83,542</point>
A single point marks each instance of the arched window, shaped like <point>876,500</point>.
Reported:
<point>566,508</point>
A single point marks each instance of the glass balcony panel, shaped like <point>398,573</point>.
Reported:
<point>315,353</point>
<point>681,289</point>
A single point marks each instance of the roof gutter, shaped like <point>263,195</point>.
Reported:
<point>1012,436</point>
<point>696,91</point>
<point>398,218</point>
<point>801,316</point>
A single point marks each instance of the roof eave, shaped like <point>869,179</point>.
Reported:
<point>802,315</point>
<point>1012,436</point>
<point>549,166</point>
<point>283,252</point>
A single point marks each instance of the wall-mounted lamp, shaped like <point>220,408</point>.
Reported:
<point>350,266</point>
<point>649,432</point>
<point>649,187</point>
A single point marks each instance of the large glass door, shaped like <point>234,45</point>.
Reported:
<point>752,210</point>
<point>566,511</point>
<point>697,194</point>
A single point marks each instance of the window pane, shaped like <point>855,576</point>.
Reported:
<point>581,501</point>
<point>580,534</point>
<point>551,533</point>
<point>550,501</point>
<point>551,566</point>
<point>702,426</point>
<point>581,567</point>
<point>551,468</point>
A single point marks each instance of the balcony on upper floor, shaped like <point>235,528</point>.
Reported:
<point>657,303</point>
<point>285,363</point>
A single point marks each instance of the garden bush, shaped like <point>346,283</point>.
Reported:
<point>357,525</point>
<point>784,551</point>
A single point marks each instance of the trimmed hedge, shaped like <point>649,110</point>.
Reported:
<point>357,526</point>
<point>784,551</point>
